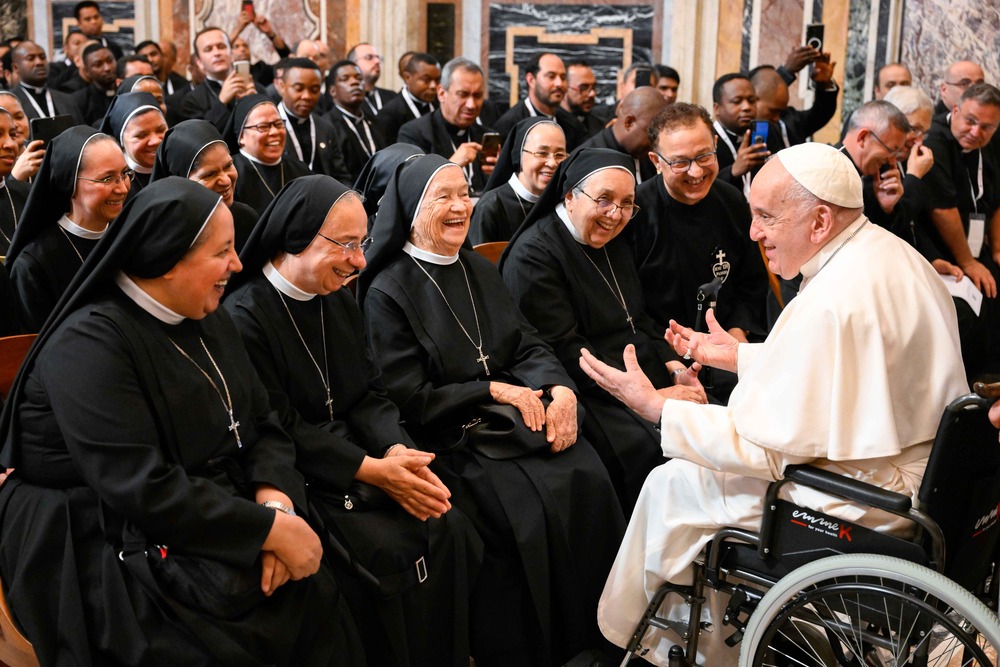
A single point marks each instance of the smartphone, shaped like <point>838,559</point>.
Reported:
<point>242,67</point>
<point>491,145</point>
<point>47,129</point>
<point>247,7</point>
<point>814,36</point>
<point>758,132</point>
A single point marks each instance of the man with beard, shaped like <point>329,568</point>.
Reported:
<point>311,138</point>
<point>545,81</point>
<point>356,136</point>
<point>451,130</point>
<point>421,76</point>
<point>735,106</point>
<point>366,57</point>
<point>581,96</point>
<point>213,98</point>
<point>94,100</point>
<point>39,101</point>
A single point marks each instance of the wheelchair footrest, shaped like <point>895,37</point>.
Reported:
<point>741,602</point>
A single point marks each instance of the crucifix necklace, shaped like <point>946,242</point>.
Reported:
<point>618,293</point>
<point>281,167</point>
<point>71,244</point>
<point>324,378</point>
<point>483,358</point>
<point>227,401</point>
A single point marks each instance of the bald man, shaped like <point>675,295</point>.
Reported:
<point>889,76</point>
<point>630,132</point>
<point>795,126</point>
<point>828,343</point>
<point>957,78</point>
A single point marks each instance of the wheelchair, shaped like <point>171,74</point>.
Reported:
<point>814,590</point>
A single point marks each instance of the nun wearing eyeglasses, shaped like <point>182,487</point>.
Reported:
<point>155,515</point>
<point>137,124</point>
<point>526,164</point>
<point>452,349</point>
<point>372,488</point>
<point>79,189</point>
<point>256,135</point>
<point>573,278</point>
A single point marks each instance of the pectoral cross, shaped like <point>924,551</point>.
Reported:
<point>234,428</point>
<point>721,256</point>
<point>628,319</point>
<point>482,359</point>
<point>329,404</point>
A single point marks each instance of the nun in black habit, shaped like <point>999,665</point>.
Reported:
<point>13,193</point>
<point>136,122</point>
<point>507,200</point>
<point>452,346</point>
<point>572,276</point>
<point>145,450</point>
<point>79,189</point>
<point>366,481</point>
<point>375,175</point>
<point>258,156</point>
<point>194,150</point>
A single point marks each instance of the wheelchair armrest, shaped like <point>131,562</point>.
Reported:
<point>848,488</point>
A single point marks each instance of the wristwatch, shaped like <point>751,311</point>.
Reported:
<point>279,506</point>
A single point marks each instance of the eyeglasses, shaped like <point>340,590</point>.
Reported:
<point>974,122</point>
<point>963,83</point>
<point>114,179</point>
<point>544,156</point>
<point>891,151</point>
<point>585,88</point>
<point>607,207</point>
<point>684,164</point>
<point>264,127</point>
<point>351,246</point>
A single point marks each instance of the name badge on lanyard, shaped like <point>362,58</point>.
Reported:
<point>977,220</point>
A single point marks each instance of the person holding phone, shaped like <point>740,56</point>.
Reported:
<point>213,99</point>
<point>735,107</point>
<point>451,130</point>
<point>11,189</point>
<point>30,151</point>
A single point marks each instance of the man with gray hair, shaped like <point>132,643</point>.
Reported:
<point>451,130</point>
<point>871,322</point>
<point>875,141</point>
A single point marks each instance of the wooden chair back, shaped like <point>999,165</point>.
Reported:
<point>13,349</point>
<point>491,250</point>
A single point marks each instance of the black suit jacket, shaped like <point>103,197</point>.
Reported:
<point>385,95</point>
<point>62,102</point>
<point>328,158</point>
<point>431,134</point>
<point>606,139</point>
<point>354,154</point>
<point>93,103</point>
<point>572,129</point>
<point>800,125</point>
<point>393,116</point>
<point>203,102</point>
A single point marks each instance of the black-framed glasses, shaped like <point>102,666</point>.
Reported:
<point>114,179</point>
<point>963,84</point>
<point>607,207</point>
<point>894,152</point>
<point>264,127</point>
<point>351,246</point>
<point>544,156</point>
<point>684,164</point>
<point>585,88</point>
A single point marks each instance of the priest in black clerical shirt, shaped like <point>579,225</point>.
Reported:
<point>451,131</point>
<point>37,98</point>
<point>357,138</point>
<point>692,228</point>
<point>735,107</point>
<point>13,193</point>
<point>213,98</point>
<point>418,97</point>
<point>95,99</point>
<point>581,96</point>
<point>545,82</point>
<point>630,133</point>
<point>572,275</point>
<point>310,138</point>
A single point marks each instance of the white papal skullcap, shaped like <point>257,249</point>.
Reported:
<point>825,172</point>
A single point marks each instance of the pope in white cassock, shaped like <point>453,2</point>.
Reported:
<point>853,378</point>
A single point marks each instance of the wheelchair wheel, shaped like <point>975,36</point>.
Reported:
<point>875,611</point>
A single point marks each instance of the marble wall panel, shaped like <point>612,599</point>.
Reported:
<point>608,36</point>
<point>292,20</point>
<point>119,24</point>
<point>747,37</point>
<point>781,31</point>
<point>938,32</point>
<point>856,62</point>
<point>13,19</point>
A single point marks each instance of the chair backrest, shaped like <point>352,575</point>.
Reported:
<point>12,352</point>
<point>491,250</point>
<point>961,488</point>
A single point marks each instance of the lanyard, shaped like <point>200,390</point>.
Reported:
<point>467,168</point>
<point>377,106</point>
<point>721,131</point>
<point>784,134</point>
<point>295,140</point>
<point>972,188</point>
<point>48,102</point>
<point>408,98</point>
<point>370,147</point>
<point>638,172</point>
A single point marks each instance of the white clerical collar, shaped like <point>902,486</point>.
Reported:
<point>813,265</point>
<point>37,90</point>
<point>520,190</point>
<point>283,285</point>
<point>532,111</point>
<point>145,301</point>
<point>418,253</point>
<point>259,161</point>
<point>77,230</point>
<point>349,114</point>
<point>292,114</point>
<point>214,80</point>
<point>3,182</point>
<point>564,216</point>
<point>135,166</point>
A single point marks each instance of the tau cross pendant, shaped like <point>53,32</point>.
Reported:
<point>482,359</point>
<point>329,404</point>
<point>234,427</point>
<point>628,318</point>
